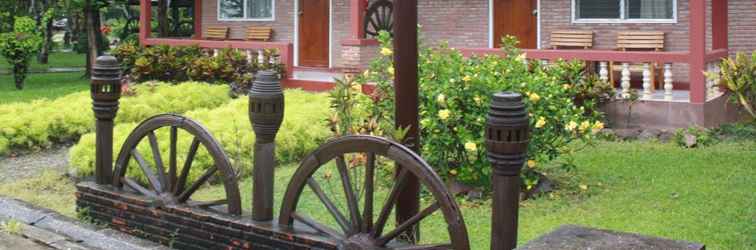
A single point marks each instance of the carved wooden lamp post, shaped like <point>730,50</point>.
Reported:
<point>266,111</point>
<point>507,137</point>
<point>105,90</point>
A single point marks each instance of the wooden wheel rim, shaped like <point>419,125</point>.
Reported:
<point>379,17</point>
<point>388,149</point>
<point>201,136</point>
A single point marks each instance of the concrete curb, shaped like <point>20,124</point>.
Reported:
<point>59,232</point>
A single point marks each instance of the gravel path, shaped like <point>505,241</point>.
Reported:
<point>33,164</point>
<point>13,242</point>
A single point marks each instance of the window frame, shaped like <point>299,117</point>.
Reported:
<point>623,16</point>
<point>245,14</point>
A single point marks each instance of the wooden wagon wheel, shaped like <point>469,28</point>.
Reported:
<point>175,187</point>
<point>379,16</point>
<point>360,228</point>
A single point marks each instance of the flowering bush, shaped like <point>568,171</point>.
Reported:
<point>455,93</point>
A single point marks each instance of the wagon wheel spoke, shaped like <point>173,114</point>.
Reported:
<point>352,203</point>
<point>407,224</point>
<point>136,187</point>
<point>390,202</point>
<point>158,160</point>
<point>317,226</point>
<point>184,196</point>
<point>172,161</point>
<point>181,183</point>
<point>334,211</point>
<point>369,189</point>
<point>207,204</point>
<point>151,178</point>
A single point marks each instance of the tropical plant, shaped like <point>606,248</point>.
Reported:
<point>455,94</point>
<point>739,76</point>
<point>19,46</point>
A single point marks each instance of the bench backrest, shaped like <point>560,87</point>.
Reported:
<point>217,33</point>
<point>640,40</point>
<point>572,38</point>
<point>259,33</point>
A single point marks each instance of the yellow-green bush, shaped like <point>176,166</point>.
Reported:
<point>302,131</point>
<point>37,124</point>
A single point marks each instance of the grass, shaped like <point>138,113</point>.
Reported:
<point>41,85</point>
<point>56,60</point>
<point>703,195</point>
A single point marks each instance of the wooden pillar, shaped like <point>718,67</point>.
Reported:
<point>697,51</point>
<point>145,16</point>
<point>719,24</point>
<point>357,17</point>
<point>406,76</point>
<point>197,19</point>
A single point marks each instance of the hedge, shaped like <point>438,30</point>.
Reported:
<point>38,124</point>
<point>303,129</point>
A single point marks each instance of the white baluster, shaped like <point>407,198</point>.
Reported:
<point>603,72</point>
<point>647,81</point>
<point>215,52</point>
<point>668,87</point>
<point>260,57</point>
<point>544,62</point>
<point>625,80</point>
<point>249,56</point>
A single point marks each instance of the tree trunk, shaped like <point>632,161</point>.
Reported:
<point>47,43</point>
<point>19,74</point>
<point>92,29</point>
<point>163,26</point>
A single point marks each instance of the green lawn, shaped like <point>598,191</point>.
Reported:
<point>56,60</point>
<point>41,85</point>
<point>703,195</point>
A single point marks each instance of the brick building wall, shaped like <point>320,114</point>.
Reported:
<point>742,32</point>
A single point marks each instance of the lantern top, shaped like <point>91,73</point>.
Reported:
<point>106,68</point>
<point>507,109</point>
<point>266,82</point>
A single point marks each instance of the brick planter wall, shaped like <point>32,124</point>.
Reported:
<point>187,228</point>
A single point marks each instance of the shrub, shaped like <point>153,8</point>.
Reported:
<point>694,137</point>
<point>454,98</point>
<point>38,124</point>
<point>164,63</point>
<point>127,53</point>
<point>739,76</point>
<point>302,131</point>
<point>19,46</point>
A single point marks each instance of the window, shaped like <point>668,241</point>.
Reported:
<point>246,10</point>
<point>612,11</point>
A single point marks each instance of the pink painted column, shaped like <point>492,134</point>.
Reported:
<point>697,51</point>
<point>357,18</point>
<point>198,19</point>
<point>719,24</point>
<point>145,16</point>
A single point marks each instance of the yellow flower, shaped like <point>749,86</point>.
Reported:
<point>444,114</point>
<point>522,56</point>
<point>534,97</point>
<point>366,74</point>
<point>386,52</point>
<point>453,172</point>
<point>566,86</point>
<point>441,99</point>
<point>471,146</point>
<point>477,99</point>
<point>531,163</point>
<point>391,70</point>
<point>356,87</point>
<point>571,126</point>
<point>585,125</point>
<point>541,122</point>
<point>467,79</point>
<point>583,187</point>
<point>598,126</point>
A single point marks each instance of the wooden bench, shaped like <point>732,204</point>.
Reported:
<point>639,41</point>
<point>259,33</point>
<point>572,38</point>
<point>217,33</point>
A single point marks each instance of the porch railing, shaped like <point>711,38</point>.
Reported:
<point>664,60</point>
<point>286,50</point>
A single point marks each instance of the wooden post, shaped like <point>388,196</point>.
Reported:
<point>719,24</point>
<point>357,17</point>
<point>197,19</point>
<point>266,111</point>
<point>405,65</point>
<point>105,91</point>
<point>697,55</point>
<point>507,137</point>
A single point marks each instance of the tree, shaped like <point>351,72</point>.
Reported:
<point>19,45</point>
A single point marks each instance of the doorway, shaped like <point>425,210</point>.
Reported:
<point>517,18</point>
<point>314,33</point>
